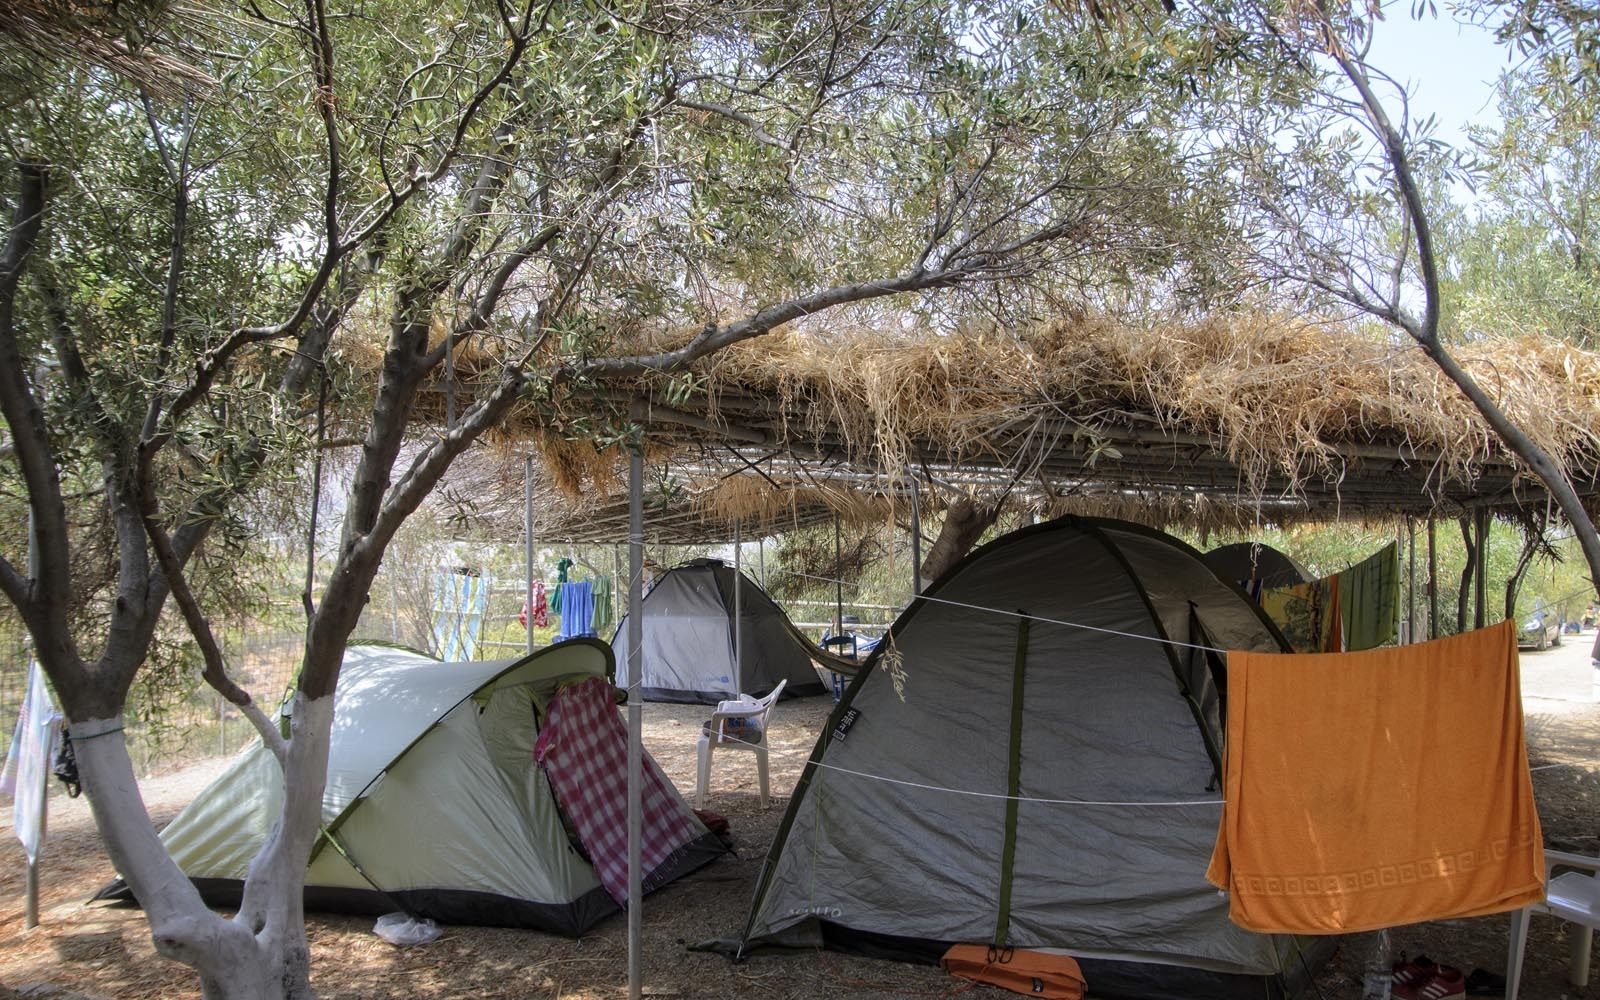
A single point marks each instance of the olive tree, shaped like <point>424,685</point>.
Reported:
<point>387,227</point>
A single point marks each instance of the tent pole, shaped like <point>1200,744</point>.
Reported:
<point>761,559</point>
<point>738,607</point>
<point>1433,580</point>
<point>635,721</point>
<point>916,541</point>
<point>527,541</point>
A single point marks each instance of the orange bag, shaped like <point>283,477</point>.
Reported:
<point>1036,973</point>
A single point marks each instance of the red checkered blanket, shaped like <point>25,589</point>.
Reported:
<point>584,752</point>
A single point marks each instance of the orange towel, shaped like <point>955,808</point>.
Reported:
<point>1378,788</point>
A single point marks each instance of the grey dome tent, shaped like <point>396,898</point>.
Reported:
<point>1252,564</point>
<point>691,651</point>
<point>1034,766</point>
<point>433,805</point>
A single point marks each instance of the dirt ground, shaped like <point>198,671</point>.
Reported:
<point>106,952</point>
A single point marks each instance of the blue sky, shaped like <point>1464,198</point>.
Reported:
<point>1450,69</point>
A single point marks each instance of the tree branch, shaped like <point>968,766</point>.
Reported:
<point>47,592</point>
<point>713,338</point>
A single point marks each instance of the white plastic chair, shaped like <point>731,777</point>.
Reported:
<point>737,725</point>
<point>1573,896</point>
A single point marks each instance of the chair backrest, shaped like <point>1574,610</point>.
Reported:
<point>769,702</point>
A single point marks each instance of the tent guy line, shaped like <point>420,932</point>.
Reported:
<point>1058,621</point>
<point>980,795</point>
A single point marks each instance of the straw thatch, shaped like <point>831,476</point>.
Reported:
<point>74,32</point>
<point>1236,420</point>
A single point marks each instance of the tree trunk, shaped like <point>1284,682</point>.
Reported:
<point>964,523</point>
<point>261,952</point>
<point>1467,568</point>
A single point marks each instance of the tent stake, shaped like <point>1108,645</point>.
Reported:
<point>635,721</point>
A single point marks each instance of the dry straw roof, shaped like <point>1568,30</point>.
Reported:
<point>1232,421</point>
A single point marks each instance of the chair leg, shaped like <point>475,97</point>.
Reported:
<point>761,772</point>
<point>1519,940</point>
<point>702,776</point>
<point>1580,938</point>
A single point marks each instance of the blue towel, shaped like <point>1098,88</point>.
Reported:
<point>577,609</point>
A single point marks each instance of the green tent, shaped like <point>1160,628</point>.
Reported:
<point>433,806</point>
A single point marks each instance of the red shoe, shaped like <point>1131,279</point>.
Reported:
<point>1446,983</point>
<point>1408,977</point>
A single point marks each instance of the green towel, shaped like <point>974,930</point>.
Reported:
<point>603,619</point>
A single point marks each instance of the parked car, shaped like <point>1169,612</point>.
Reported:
<point>1540,631</point>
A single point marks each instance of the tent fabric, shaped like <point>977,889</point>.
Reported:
<point>689,640</point>
<point>584,752</point>
<point>1426,738</point>
<point>1043,778</point>
<point>444,752</point>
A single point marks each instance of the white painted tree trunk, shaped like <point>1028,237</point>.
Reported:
<point>261,952</point>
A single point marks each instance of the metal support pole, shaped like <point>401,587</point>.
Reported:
<point>30,917</point>
<point>1433,579</point>
<point>1411,579</point>
<point>838,581</point>
<point>1480,581</point>
<point>635,723</point>
<point>916,541</point>
<point>527,541</point>
<point>738,607</point>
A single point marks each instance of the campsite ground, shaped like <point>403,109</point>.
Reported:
<point>107,952</point>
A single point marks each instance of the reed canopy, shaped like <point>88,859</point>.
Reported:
<point>1231,421</point>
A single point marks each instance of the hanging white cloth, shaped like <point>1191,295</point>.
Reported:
<point>27,770</point>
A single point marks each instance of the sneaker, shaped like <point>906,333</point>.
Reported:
<point>1408,976</point>
<point>1446,983</point>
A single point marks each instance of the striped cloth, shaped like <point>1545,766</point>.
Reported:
<point>583,750</point>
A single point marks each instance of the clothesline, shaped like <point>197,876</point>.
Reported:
<point>945,789</point>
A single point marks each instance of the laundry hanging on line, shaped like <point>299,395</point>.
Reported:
<point>537,606</point>
<point>1378,788</point>
<point>26,775</point>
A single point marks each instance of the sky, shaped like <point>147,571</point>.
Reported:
<point>1449,68</point>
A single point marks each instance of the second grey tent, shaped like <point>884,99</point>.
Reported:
<point>696,648</point>
<point>1254,566</point>
<point>1030,759</point>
